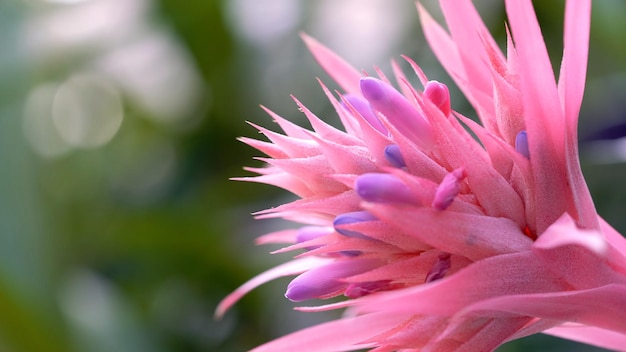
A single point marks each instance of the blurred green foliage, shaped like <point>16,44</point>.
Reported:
<point>130,245</point>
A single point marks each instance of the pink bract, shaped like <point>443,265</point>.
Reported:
<point>439,242</point>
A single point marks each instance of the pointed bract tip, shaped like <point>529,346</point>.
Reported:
<point>308,233</point>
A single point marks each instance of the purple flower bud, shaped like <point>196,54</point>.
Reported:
<point>393,156</point>
<point>383,188</point>
<point>328,279</point>
<point>351,218</point>
<point>397,109</point>
<point>308,233</point>
<point>448,189</point>
<point>363,107</point>
<point>439,95</point>
<point>521,144</point>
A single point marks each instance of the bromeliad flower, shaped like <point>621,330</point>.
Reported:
<point>440,241</point>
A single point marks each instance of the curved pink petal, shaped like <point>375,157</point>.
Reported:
<point>571,87</point>
<point>602,307</point>
<point>283,236</point>
<point>293,267</point>
<point>466,28</point>
<point>290,128</point>
<point>490,278</point>
<point>324,130</point>
<point>345,75</point>
<point>482,334</point>
<point>590,335</point>
<point>459,233</point>
<point>578,256</point>
<point>575,53</point>
<point>544,119</point>
<point>484,181</point>
<point>617,251</point>
<point>346,334</point>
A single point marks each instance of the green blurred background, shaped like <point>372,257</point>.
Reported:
<point>119,228</point>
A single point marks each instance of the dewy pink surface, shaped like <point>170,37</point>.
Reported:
<point>439,242</point>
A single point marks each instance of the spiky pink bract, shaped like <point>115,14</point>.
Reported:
<point>439,242</point>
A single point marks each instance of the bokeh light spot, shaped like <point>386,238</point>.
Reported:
<point>37,124</point>
<point>87,111</point>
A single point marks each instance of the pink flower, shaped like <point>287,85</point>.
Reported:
<point>439,242</point>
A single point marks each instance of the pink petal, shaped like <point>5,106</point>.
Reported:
<point>416,332</point>
<point>293,147</point>
<point>508,108</point>
<point>575,52</point>
<point>466,27</point>
<point>444,48</point>
<point>359,106</point>
<point>579,256</point>
<point>269,149</point>
<point>351,126</point>
<point>476,334</point>
<point>345,334</point>
<point>279,179</point>
<point>383,232</point>
<point>284,236</point>
<point>325,130</point>
<point>313,171</point>
<point>535,326</point>
<point>417,161</point>
<point>590,335</point>
<point>341,244</point>
<point>571,87</point>
<point>401,77</point>
<point>376,141</point>
<point>412,270</point>
<point>293,267</point>
<point>330,206</point>
<point>418,72</point>
<point>345,75</point>
<point>484,181</point>
<point>485,280</point>
<point>602,307</point>
<point>544,118</point>
<point>617,251</point>
<point>290,128</point>
<point>472,236</point>
<point>345,159</point>
<point>463,54</point>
